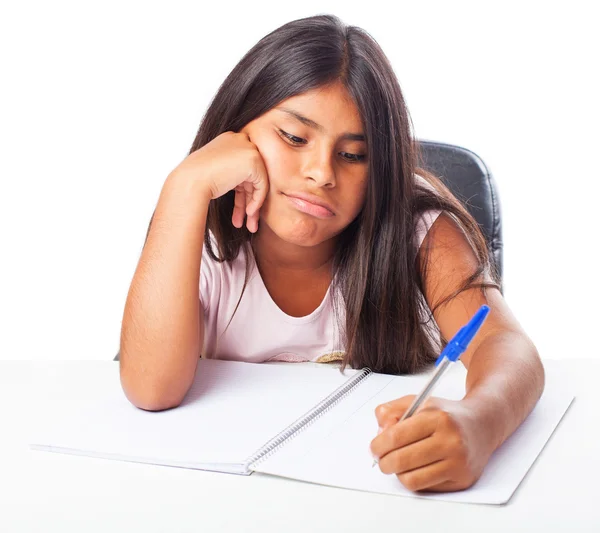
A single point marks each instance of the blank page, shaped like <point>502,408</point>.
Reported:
<point>230,411</point>
<point>336,452</point>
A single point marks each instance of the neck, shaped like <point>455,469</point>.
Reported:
<point>274,253</point>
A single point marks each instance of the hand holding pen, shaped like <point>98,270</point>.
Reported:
<point>418,448</point>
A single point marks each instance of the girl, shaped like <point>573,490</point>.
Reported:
<point>299,228</point>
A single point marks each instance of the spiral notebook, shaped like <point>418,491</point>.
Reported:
<point>305,422</point>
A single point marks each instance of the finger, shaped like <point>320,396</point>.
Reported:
<point>416,455</point>
<point>252,223</point>
<point>259,191</point>
<point>254,204</point>
<point>413,429</point>
<point>447,486</point>
<point>391,412</point>
<point>239,205</point>
<point>252,212</point>
<point>248,198</point>
<point>427,476</point>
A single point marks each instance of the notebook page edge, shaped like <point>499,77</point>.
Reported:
<point>227,468</point>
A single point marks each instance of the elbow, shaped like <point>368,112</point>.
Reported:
<point>148,394</point>
<point>533,369</point>
<point>150,402</point>
<point>539,371</point>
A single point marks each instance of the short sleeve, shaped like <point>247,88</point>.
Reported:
<point>425,219</point>
<point>424,223</point>
<point>210,280</point>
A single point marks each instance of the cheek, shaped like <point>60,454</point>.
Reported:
<point>355,197</point>
<point>278,166</point>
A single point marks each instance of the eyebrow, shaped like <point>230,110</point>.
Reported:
<point>312,124</point>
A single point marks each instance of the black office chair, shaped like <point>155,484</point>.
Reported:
<point>470,180</point>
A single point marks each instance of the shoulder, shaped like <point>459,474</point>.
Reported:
<point>424,223</point>
<point>447,235</point>
<point>448,257</point>
<point>425,219</point>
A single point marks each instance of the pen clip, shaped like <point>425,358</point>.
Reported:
<point>459,343</point>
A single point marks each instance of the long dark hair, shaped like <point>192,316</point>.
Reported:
<point>376,274</point>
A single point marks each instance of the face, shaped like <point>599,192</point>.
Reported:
<point>314,151</point>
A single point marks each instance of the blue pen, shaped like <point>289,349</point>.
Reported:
<point>450,354</point>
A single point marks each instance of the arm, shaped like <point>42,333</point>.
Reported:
<point>505,378</point>
<point>163,323</point>
<point>162,330</point>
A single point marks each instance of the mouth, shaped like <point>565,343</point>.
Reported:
<point>310,205</point>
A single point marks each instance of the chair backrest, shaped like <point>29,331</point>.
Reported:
<point>471,181</point>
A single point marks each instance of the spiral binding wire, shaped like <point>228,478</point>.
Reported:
<point>305,420</point>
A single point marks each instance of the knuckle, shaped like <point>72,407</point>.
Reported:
<point>455,444</point>
<point>397,434</point>
<point>430,403</point>
<point>454,447</point>
<point>401,465</point>
<point>448,423</point>
<point>257,167</point>
<point>380,410</point>
<point>409,480</point>
<point>385,466</point>
<point>445,419</point>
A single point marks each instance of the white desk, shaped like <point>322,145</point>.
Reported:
<point>43,491</point>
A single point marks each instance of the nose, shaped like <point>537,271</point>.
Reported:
<point>320,168</point>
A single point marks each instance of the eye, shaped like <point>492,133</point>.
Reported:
<point>296,141</point>
<point>354,158</point>
<point>292,138</point>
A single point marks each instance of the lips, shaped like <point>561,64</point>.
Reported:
<point>311,204</point>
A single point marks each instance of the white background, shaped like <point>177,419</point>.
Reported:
<point>99,102</point>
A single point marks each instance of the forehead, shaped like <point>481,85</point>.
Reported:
<point>331,107</point>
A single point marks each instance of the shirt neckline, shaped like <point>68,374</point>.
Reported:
<point>288,318</point>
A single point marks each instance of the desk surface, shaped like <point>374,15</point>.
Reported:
<point>56,492</point>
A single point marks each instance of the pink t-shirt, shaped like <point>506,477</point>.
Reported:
<point>260,331</point>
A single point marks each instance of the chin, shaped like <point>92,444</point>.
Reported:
<point>292,226</point>
<point>300,231</point>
